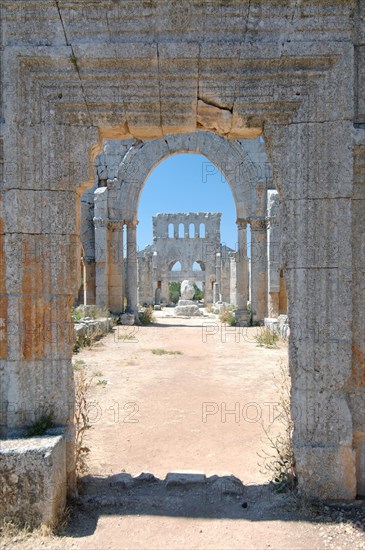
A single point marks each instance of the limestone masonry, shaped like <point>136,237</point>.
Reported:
<point>93,95</point>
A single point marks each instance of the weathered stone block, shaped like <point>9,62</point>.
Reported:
<point>184,479</point>
<point>33,479</point>
<point>326,472</point>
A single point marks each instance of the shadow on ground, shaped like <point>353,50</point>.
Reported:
<point>195,496</point>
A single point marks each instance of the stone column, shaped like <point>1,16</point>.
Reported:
<point>216,292</point>
<point>218,275</point>
<point>164,297</point>
<point>232,280</point>
<point>101,263</point>
<point>101,246</point>
<point>241,273</point>
<point>131,282</point>
<point>273,271</point>
<point>155,279</point>
<point>258,268</point>
<point>89,281</point>
<point>116,267</point>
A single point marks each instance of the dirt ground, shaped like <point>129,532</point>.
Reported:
<point>190,397</point>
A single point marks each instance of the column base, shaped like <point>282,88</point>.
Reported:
<point>326,473</point>
<point>242,317</point>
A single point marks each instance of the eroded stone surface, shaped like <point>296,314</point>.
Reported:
<point>33,479</point>
<point>187,291</point>
<point>293,72</point>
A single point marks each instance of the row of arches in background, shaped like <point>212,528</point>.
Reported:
<point>197,266</point>
<point>179,231</point>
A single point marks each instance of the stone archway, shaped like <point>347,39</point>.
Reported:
<point>287,72</point>
<point>242,173</point>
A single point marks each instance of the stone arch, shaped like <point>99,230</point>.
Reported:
<point>176,264</point>
<point>229,156</point>
<point>200,264</point>
<point>303,100</point>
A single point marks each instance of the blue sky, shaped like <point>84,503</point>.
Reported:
<point>186,183</point>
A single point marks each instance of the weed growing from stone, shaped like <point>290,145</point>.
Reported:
<point>83,342</point>
<point>81,419</point>
<point>226,315</point>
<point>146,316</point>
<point>78,364</point>
<point>279,463</point>
<point>41,426</point>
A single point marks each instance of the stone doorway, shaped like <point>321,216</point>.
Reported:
<point>292,74</point>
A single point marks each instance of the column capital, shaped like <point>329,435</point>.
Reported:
<point>131,223</point>
<point>271,220</point>
<point>100,222</point>
<point>257,224</point>
<point>241,223</point>
<point>115,224</point>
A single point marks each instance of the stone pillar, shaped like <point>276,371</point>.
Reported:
<point>232,280</point>
<point>273,271</point>
<point>316,248</point>
<point>165,295</point>
<point>216,292</point>
<point>89,281</point>
<point>241,273</point>
<point>258,269</point>
<point>131,282</point>
<point>101,263</point>
<point>218,278</point>
<point>116,267</point>
<point>101,246</point>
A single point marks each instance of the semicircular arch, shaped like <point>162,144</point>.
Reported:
<point>227,155</point>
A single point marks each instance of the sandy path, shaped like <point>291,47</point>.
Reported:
<point>148,416</point>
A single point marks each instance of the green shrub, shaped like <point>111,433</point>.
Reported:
<point>41,426</point>
<point>226,315</point>
<point>267,338</point>
<point>76,315</point>
<point>160,351</point>
<point>82,342</point>
<point>199,294</point>
<point>174,291</point>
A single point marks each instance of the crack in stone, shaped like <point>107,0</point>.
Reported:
<point>214,104</point>
<point>159,82</point>
<point>75,61</point>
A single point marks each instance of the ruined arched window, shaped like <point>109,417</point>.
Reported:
<point>202,230</point>
<point>181,230</point>
<point>176,266</point>
<point>191,231</point>
<point>171,230</point>
<point>198,266</point>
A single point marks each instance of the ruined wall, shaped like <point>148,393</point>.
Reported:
<point>75,73</point>
<point>193,237</point>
